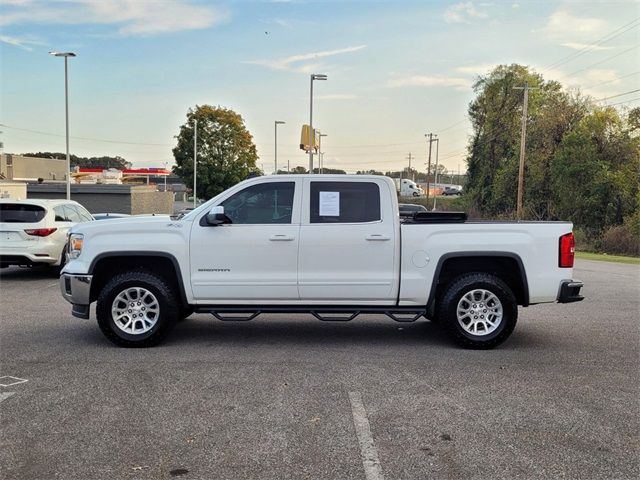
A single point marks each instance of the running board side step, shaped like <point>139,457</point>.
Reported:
<point>338,313</point>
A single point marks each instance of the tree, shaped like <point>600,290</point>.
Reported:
<point>596,172</point>
<point>226,153</point>
<point>103,162</point>
<point>494,150</point>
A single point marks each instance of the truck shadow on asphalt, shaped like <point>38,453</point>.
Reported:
<point>302,331</point>
<point>28,274</point>
<point>306,330</point>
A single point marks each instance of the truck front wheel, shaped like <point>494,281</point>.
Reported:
<point>478,310</point>
<point>136,309</point>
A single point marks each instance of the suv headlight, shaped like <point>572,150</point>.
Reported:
<point>76,241</point>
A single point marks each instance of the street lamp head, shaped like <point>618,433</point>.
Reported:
<point>62,54</point>
<point>279,122</point>
<point>318,76</point>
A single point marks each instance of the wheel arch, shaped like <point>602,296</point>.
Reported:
<point>507,266</point>
<point>107,264</point>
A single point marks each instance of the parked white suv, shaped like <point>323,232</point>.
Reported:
<point>34,232</point>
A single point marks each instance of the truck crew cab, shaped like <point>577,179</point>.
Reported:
<point>333,246</point>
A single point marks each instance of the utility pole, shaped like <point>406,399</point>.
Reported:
<point>435,176</point>
<point>523,141</point>
<point>431,140</point>
<point>413,176</point>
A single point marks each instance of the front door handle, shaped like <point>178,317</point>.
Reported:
<point>281,238</point>
<point>377,237</point>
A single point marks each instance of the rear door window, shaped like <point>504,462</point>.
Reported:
<point>345,202</point>
<point>21,213</point>
<point>60,214</point>
<point>71,214</point>
<point>84,215</point>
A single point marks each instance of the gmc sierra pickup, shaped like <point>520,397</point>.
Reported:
<point>333,246</point>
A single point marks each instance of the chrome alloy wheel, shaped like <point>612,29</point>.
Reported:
<point>135,310</point>
<point>479,312</point>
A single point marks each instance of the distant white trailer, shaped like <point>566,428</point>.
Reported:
<point>408,188</point>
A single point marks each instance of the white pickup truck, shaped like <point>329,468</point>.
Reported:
<point>333,246</point>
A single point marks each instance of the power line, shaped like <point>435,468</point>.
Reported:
<point>451,126</point>
<point>626,101</point>
<point>610,36</point>
<point>600,62</point>
<point>614,80</point>
<point>618,95</point>
<point>88,138</point>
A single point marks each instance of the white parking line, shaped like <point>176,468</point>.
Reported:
<point>9,381</point>
<point>5,395</point>
<point>368,452</point>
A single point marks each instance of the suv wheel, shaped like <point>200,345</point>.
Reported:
<point>478,310</point>
<point>136,309</point>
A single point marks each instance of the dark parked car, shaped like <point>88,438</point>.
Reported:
<point>106,216</point>
<point>451,191</point>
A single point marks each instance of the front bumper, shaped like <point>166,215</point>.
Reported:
<point>570,291</point>
<point>76,289</point>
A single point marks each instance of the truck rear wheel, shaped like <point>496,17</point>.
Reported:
<point>478,310</point>
<point>136,309</point>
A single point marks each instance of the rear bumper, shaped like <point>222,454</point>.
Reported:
<point>570,291</point>
<point>27,259</point>
<point>76,289</point>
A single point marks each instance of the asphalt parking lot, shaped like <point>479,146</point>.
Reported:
<point>286,397</point>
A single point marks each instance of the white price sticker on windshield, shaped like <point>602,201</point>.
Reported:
<point>329,204</point>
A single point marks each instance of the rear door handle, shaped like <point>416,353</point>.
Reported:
<point>377,237</point>
<point>281,238</point>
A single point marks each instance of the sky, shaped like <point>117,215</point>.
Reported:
<point>396,71</point>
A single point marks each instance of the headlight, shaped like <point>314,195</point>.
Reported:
<point>76,240</point>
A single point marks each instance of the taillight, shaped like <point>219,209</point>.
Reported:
<point>40,232</point>
<point>567,250</point>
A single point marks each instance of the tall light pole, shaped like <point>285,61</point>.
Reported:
<point>312,141</point>
<point>320,153</point>
<point>195,156</point>
<point>66,55</point>
<point>275,143</point>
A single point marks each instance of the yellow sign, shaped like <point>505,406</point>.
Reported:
<point>308,139</point>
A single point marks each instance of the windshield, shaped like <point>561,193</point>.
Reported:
<point>21,213</point>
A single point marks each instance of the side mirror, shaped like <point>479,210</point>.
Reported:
<point>215,217</point>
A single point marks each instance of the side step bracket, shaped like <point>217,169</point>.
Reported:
<point>328,313</point>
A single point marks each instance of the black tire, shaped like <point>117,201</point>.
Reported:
<point>156,285</point>
<point>463,285</point>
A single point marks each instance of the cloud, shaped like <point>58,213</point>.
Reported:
<point>561,22</point>
<point>463,12</point>
<point>430,81</point>
<point>580,46</point>
<point>481,69</point>
<point>16,42</point>
<point>20,42</point>
<point>132,17</point>
<point>336,96</point>
<point>295,63</point>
